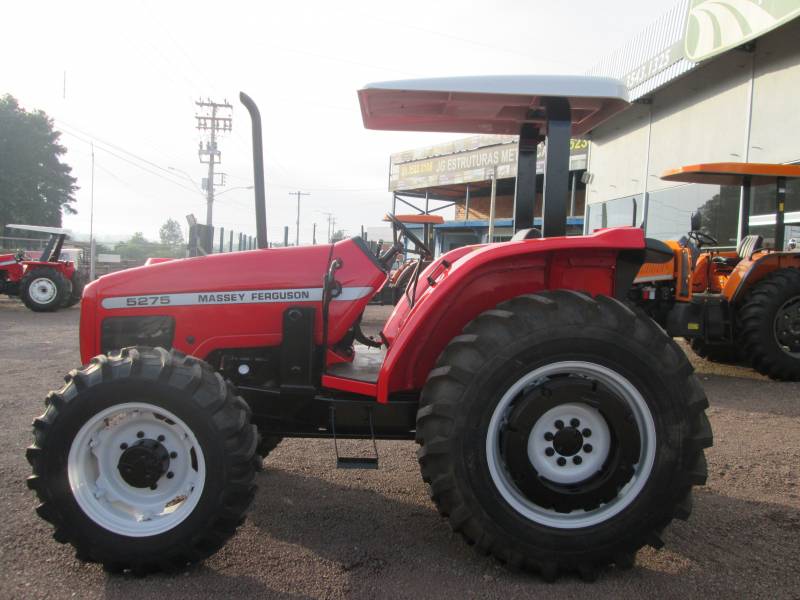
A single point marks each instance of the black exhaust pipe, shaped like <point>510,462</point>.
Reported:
<point>258,170</point>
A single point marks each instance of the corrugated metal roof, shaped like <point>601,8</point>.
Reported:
<point>651,58</point>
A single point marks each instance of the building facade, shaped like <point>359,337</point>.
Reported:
<point>711,81</point>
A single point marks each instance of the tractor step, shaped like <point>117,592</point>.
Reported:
<point>354,462</point>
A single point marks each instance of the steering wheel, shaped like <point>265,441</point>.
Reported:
<point>703,239</point>
<point>19,255</point>
<point>421,248</point>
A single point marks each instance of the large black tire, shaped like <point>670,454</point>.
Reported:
<point>720,353</point>
<point>224,446</point>
<point>541,331</point>
<point>51,281</point>
<point>78,283</point>
<point>777,296</point>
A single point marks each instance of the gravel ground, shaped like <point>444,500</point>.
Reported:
<point>315,532</point>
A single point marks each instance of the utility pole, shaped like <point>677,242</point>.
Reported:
<point>314,235</point>
<point>298,193</point>
<point>214,118</point>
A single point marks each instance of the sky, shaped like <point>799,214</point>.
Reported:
<point>126,76</point>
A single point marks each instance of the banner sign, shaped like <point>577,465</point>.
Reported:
<point>471,166</point>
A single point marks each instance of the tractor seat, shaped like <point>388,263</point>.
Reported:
<point>527,234</point>
<point>749,245</point>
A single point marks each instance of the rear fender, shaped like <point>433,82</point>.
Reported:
<point>750,271</point>
<point>603,263</point>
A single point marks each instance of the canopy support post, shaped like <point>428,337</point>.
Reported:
<point>556,169</point>
<point>525,191</point>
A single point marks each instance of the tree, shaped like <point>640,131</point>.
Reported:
<point>171,234</point>
<point>35,186</point>
<point>338,235</point>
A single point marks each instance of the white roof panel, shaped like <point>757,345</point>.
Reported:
<point>41,229</point>
<point>497,104</point>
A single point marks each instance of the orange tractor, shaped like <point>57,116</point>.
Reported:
<point>731,305</point>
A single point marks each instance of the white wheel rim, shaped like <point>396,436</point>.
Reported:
<point>102,493</point>
<point>592,455</point>
<point>42,290</point>
<point>624,390</point>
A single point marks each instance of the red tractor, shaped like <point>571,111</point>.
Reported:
<point>560,429</point>
<point>47,283</point>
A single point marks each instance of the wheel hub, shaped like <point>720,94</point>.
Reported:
<point>143,463</point>
<point>568,441</point>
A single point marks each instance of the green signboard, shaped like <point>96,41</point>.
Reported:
<point>714,26</point>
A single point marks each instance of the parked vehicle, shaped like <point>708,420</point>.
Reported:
<point>560,429</point>
<point>731,306</point>
<point>45,283</point>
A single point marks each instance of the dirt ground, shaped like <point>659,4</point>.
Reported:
<point>315,532</point>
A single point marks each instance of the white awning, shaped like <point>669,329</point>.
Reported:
<point>42,229</point>
<point>498,104</point>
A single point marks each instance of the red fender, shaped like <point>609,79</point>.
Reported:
<point>479,278</point>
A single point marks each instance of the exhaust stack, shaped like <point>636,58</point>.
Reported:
<point>258,170</point>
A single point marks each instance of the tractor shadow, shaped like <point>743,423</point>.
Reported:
<point>397,548</point>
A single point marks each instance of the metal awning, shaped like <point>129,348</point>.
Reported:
<point>499,104</point>
<point>732,173</point>
<point>41,229</point>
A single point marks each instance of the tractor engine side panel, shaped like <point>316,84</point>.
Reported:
<point>480,280</point>
<point>234,300</point>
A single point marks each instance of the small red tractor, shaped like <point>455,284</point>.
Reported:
<point>560,429</point>
<point>47,283</point>
<point>731,305</point>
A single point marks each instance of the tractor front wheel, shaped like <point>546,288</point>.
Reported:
<point>43,289</point>
<point>143,461</point>
<point>562,432</point>
<point>769,325</point>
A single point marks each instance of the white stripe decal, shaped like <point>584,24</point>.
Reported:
<point>7,262</point>
<point>231,297</point>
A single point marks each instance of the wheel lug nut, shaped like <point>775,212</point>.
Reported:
<point>549,451</point>
<point>561,461</point>
<point>548,436</point>
<point>173,455</point>
<point>586,432</point>
<point>577,460</point>
<point>123,446</point>
<point>140,434</point>
<point>587,447</point>
<point>160,438</point>
<point>575,423</point>
<point>170,475</point>
<point>559,424</point>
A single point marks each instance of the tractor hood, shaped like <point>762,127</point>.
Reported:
<point>232,300</point>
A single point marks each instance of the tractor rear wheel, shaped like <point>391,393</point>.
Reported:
<point>143,461</point>
<point>562,432</point>
<point>769,325</point>
<point>43,289</point>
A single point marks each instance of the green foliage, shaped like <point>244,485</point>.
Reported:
<point>35,186</point>
<point>338,235</point>
<point>171,234</point>
<point>139,249</point>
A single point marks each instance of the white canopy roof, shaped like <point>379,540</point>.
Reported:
<point>42,229</point>
<point>487,104</point>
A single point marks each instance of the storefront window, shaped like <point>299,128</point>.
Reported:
<point>670,211</point>
<point>615,213</point>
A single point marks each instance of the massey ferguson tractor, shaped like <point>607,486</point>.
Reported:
<point>742,305</point>
<point>560,429</point>
<point>47,283</point>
